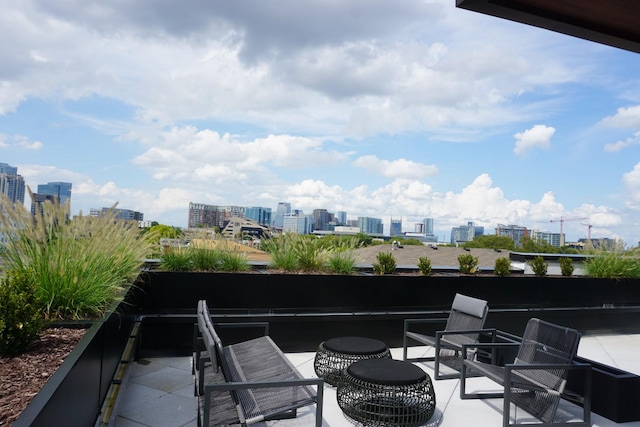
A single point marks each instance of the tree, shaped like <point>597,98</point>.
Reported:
<point>491,242</point>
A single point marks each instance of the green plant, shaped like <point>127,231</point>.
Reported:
<point>205,259</point>
<point>468,264</point>
<point>424,265</point>
<point>310,255</point>
<point>341,262</point>
<point>175,259</point>
<point>386,263</point>
<point>539,266</point>
<point>234,261</point>
<point>79,267</point>
<point>502,266</point>
<point>613,262</point>
<point>20,315</point>
<point>566,266</point>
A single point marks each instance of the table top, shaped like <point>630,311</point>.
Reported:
<point>355,345</point>
<point>387,372</point>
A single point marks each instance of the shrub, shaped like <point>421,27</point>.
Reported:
<point>468,264</point>
<point>539,266</point>
<point>80,266</point>
<point>502,266</point>
<point>386,263</point>
<point>424,265</point>
<point>20,315</point>
<point>566,266</point>
<point>234,261</point>
<point>205,259</point>
<point>309,253</point>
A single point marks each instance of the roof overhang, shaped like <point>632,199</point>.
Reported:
<point>611,22</point>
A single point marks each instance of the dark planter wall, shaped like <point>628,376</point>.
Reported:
<point>73,396</point>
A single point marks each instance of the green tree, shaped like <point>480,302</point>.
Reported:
<point>491,242</point>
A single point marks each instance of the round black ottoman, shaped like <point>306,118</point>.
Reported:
<point>386,392</point>
<point>335,354</point>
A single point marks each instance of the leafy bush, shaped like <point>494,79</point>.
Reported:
<point>20,315</point>
<point>234,261</point>
<point>310,255</point>
<point>468,264</point>
<point>386,263</point>
<point>502,266</point>
<point>79,266</point>
<point>424,265</point>
<point>205,259</point>
<point>566,266</point>
<point>539,266</point>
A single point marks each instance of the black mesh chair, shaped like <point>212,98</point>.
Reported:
<point>537,379</point>
<point>464,326</point>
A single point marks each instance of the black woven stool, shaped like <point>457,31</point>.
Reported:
<point>386,392</point>
<point>335,354</point>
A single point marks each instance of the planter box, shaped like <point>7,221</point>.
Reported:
<point>614,392</point>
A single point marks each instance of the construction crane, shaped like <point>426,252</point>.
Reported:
<point>588,229</point>
<point>562,220</point>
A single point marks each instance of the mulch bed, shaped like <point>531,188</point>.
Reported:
<point>22,377</point>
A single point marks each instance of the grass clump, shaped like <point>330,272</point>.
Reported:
<point>424,265</point>
<point>296,252</point>
<point>502,267</point>
<point>176,259</point>
<point>79,267</point>
<point>385,264</point>
<point>613,263</point>
<point>468,264</point>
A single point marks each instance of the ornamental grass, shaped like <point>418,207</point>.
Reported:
<point>79,266</point>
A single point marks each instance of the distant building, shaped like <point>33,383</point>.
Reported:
<point>238,227</point>
<point>554,239</point>
<point>124,214</point>
<point>11,184</point>
<point>321,218</point>
<point>283,209</point>
<point>37,200</point>
<point>209,216</point>
<point>370,226</point>
<point>61,190</point>
<point>515,232</point>
<point>465,233</point>
<point>259,214</point>
<point>341,218</point>
<point>599,242</point>
<point>395,228</point>
<point>300,224</point>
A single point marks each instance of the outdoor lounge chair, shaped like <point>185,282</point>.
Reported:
<point>537,379</point>
<point>464,326</point>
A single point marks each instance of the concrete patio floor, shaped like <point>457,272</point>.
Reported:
<point>159,391</point>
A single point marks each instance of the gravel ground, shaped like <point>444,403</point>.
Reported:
<point>21,377</point>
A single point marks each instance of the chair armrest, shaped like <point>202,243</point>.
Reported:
<point>257,325</point>
<point>510,367</point>
<point>410,322</point>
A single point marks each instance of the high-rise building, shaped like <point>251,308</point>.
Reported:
<point>515,232</point>
<point>465,233</point>
<point>370,226</point>
<point>300,224</point>
<point>554,239</point>
<point>11,184</point>
<point>341,218</point>
<point>427,227</point>
<point>284,208</point>
<point>61,190</point>
<point>396,227</point>
<point>37,201</point>
<point>321,217</point>
<point>258,214</point>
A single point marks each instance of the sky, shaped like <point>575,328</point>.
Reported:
<point>405,110</point>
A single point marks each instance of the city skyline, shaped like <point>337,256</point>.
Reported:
<point>385,110</point>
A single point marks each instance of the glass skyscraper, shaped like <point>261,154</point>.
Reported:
<point>61,190</point>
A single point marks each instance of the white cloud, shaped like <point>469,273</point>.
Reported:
<point>401,168</point>
<point>621,145</point>
<point>626,118</point>
<point>631,180</point>
<point>538,136</point>
<point>19,141</point>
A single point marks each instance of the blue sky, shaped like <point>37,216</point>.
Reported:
<point>407,109</point>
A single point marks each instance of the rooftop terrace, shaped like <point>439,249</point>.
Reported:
<point>159,391</point>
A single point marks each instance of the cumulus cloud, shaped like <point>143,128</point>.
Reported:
<point>621,145</point>
<point>538,136</point>
<point>625,118</point>
<point>401,168</point>
<point>631,180</point>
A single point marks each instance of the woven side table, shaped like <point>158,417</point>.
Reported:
<point>386,393</point>
<point>335,354</point>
